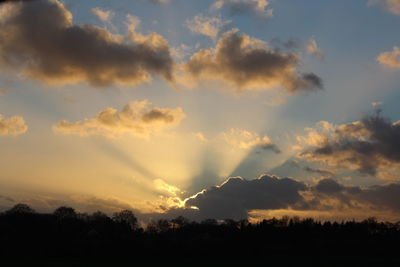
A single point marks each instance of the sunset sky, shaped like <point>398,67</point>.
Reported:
<point>207,109</point>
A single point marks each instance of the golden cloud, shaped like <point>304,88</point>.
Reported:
<point>136,118</point>
<point>246,140</point>
<point>12,126</point>
<point>366,145</point>
<point>390,59</point>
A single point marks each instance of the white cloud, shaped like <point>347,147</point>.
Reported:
<point>243,139</point>
<point>103,15</point>
<point>313,49</point>
<point>208,26</point>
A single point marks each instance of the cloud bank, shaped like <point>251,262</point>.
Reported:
<point>238,198</point>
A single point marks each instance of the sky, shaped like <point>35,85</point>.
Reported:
<point>207,109</point>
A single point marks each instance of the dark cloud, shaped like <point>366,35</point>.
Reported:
<point>324,172</point>
<point>158,1</point>
<point>383,196</point>
<point>379,197</point>
<point>235,197</point>
<point>291,44</point>
<point>329,186</point>
<point>245,63</point>
<point>39,39</point>
<point>243,7</point>
<point>365,145</point>
<point>271,147</point>
<point>310,80</point>
<point>14,1</point>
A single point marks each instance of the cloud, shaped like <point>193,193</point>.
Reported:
<point>243,139</point>
<point>390,59</point>
<point>208,26</point>
<point>3,91</point>
<point>383,196</point>
<point>236,196</point>
<point>166,188</point>
<point>329,186</point>
<point>6,198</point>
<point>313,49</point>
<point>159,1</point>
<point>136,118</point>
<point>102,15</point>
<point>183,51</point>
<point>366,145</point>
<point>39,39</point>
<point>5,1</point>
<point>12,126</point>
<point>393,6</point>
<point>320,171</point>
<point>246,63</point>
<point>376,104</point>
<point>201,137</point>
<point>82,203</point>
<point>377,197</point>
<point>239,7</point>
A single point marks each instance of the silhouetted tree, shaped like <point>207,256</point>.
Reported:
<point>21,209</point>
<point>210,222</point>
<point>179,222</point>
<point>126,217</point>
<point>65,213</point>
<point>66,233</point>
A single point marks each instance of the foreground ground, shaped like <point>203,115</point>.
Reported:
<point>282,261</point>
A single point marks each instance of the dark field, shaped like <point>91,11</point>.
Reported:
<point>67,238</point>
<point>282,261</point>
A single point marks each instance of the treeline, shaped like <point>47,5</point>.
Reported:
<point>66,233</point>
